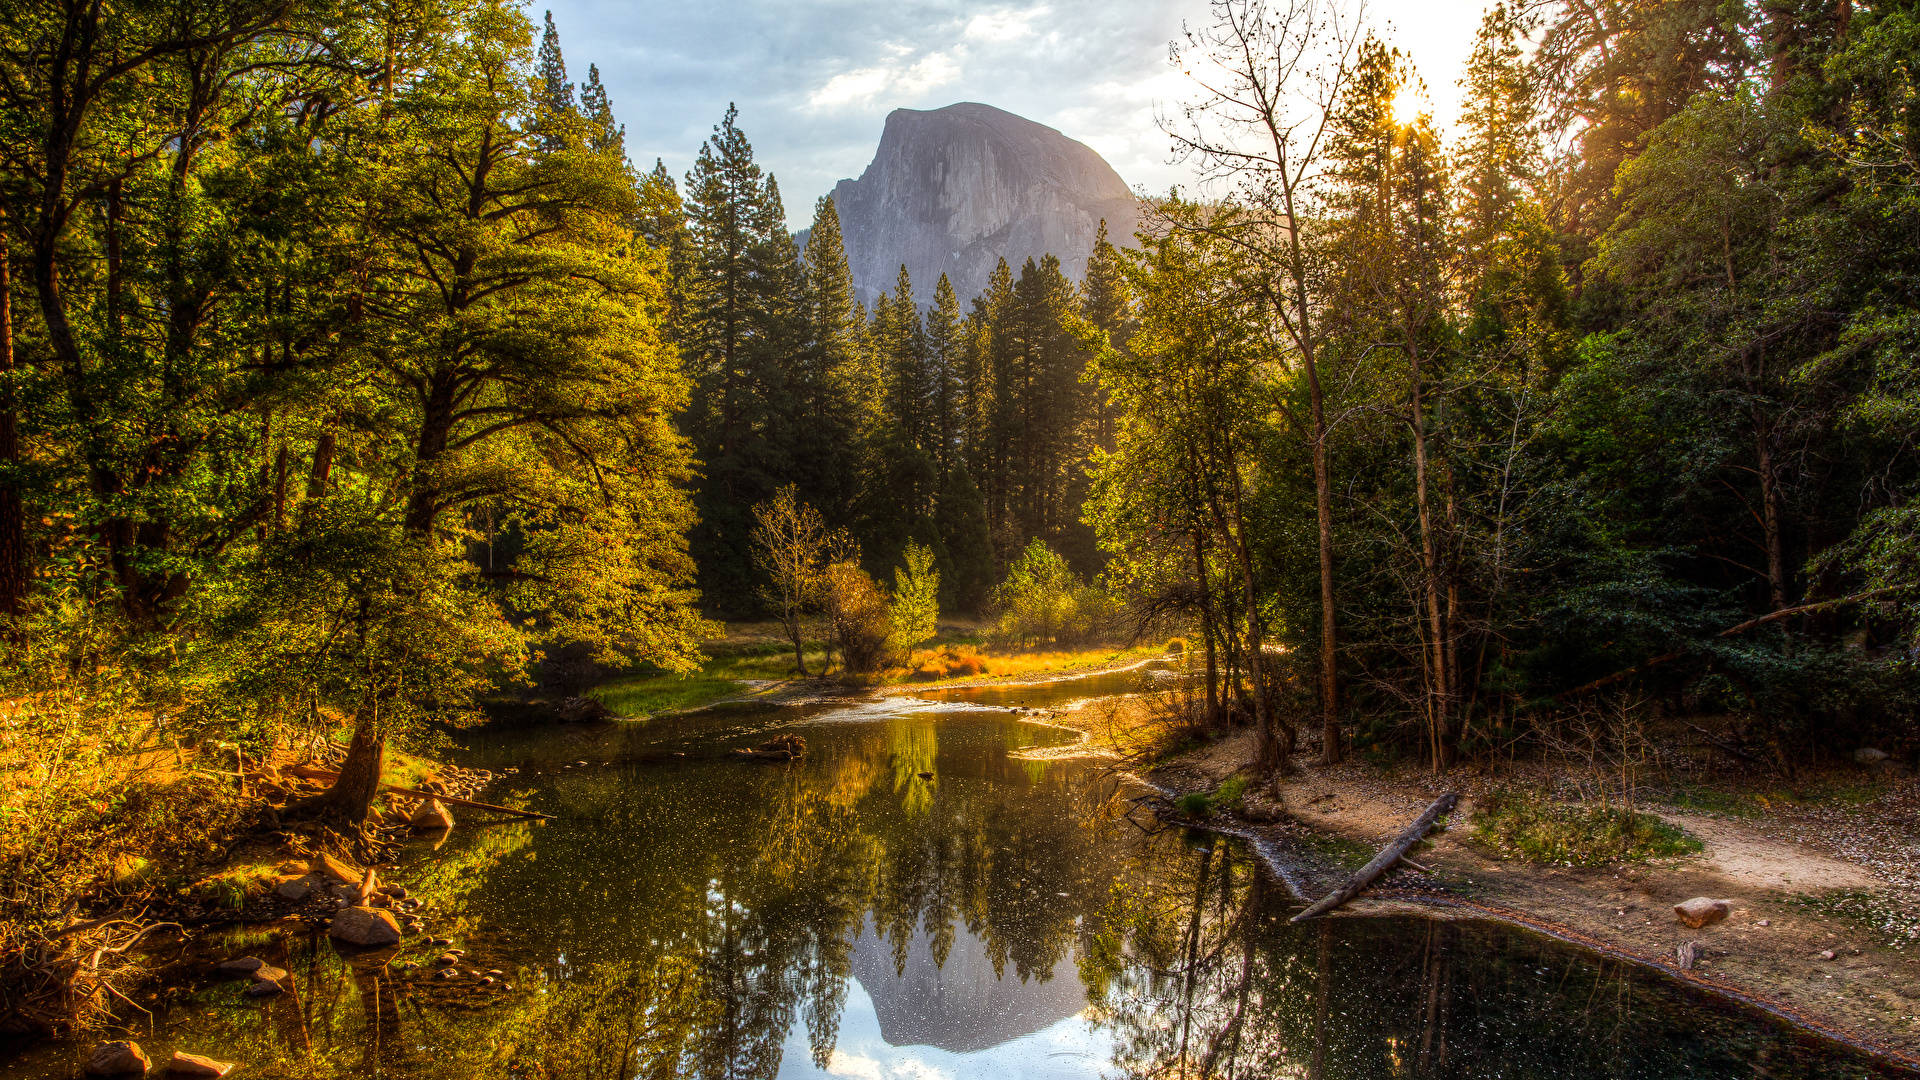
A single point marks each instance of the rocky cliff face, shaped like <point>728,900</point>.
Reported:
<point>954,190</point>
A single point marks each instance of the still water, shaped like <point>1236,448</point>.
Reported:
<point>919,899</point>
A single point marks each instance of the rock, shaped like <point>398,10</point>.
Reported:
<point>574,710</point>
<point>440,942</point>
<point>269,973</point>
<point>299,888</point>
<point>1764,922</point>
<point>1826,954</point>
<point>953,190</point>
<point>495,972</point>
<point>398,892</point>
<point>1870,755</point>
<point>119,1058</point>
<point>432,816</point>
<point>1687,954</point>
<point>241,965</point>
<point>364,926</point>
<point>486,980</point>
<point>185,1064</point>
<point>1702,911</point>
<point>335,871</point>
<point>447,959</point>
<point>263,989</point>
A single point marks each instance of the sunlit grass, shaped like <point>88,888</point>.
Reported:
<point>736,665</point>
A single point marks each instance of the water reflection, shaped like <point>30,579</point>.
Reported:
<point>912,901</point>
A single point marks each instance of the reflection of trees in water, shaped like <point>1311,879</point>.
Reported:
<point>1198,975</point>
<point>798,856</point>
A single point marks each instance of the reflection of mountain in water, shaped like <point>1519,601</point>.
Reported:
<point>960,1006</point>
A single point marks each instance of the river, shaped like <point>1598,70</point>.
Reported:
<point>920,898</point>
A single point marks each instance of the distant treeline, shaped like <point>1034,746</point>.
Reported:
<point>968,431</point>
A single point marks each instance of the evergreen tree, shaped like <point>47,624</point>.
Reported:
<point>604,134</point>
<point>740,292</point>
<point>556,92</point>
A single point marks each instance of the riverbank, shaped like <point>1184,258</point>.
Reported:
<point>1821,898</point>
<point>756,661</point>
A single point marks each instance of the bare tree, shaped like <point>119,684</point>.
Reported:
<point>793,547</point>
<point>1271,77</point>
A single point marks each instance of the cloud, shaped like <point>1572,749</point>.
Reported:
<point>866,85</point>
<point>815,79</point>
<point>1003,24</point>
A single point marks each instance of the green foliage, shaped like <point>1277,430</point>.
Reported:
<point>1194,804</point>
<point>1042,600</point>
<point>913,607</point>
<point>1554,834</point>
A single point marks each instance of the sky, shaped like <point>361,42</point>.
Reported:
<point>815,79</point>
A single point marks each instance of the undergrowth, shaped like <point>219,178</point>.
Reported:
<point>1575,835</point>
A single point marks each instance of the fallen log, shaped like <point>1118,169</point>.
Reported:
<point>315,773</point>
<point>1389,855</point>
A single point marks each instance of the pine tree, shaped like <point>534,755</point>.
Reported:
<point>550,68</point>
<point>946,358</point>
<point>604,134</point>
<point>1104,306</point>
<point>740,291</point>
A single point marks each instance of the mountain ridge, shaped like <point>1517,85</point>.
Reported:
<point>955,189</point>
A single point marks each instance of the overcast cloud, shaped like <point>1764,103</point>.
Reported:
<point>815,79</point>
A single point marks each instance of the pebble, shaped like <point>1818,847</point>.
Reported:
<point>446,959</point>
<point>1826,954</point>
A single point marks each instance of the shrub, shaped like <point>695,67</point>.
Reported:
<point>1194,804</point>
<point>1043,600</point>
<point>953,662</point>
<point>857,617</point>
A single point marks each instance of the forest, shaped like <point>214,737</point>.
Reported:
<point>349,365</point>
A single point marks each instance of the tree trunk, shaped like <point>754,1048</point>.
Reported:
<point>351,796</point>
<point>799,652</point>
<point>13,549</point>
<point>1770,518</point>
<point>1332,746</point>
<point>1206,622</point>
<point>1437,695</point>
<point>1274,750</point>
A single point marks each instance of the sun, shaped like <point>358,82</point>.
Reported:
<point>1408,104</point>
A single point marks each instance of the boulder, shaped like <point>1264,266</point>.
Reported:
<point>334,870</point>
<point>364,926</point>
<point>118,1058</point>
<point>1702,911</point>
<point>432,816</point>
<point>185,1064</point>
<point>299,888</point>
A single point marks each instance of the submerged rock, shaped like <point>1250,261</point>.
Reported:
<point>120,1058</point>
<point>185,1064</point>
<point>364,926</point>
<point>1702,911</point>
<point>241,965</point>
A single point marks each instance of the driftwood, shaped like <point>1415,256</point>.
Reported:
<point>312,773</point>
<point>1388,856</point>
